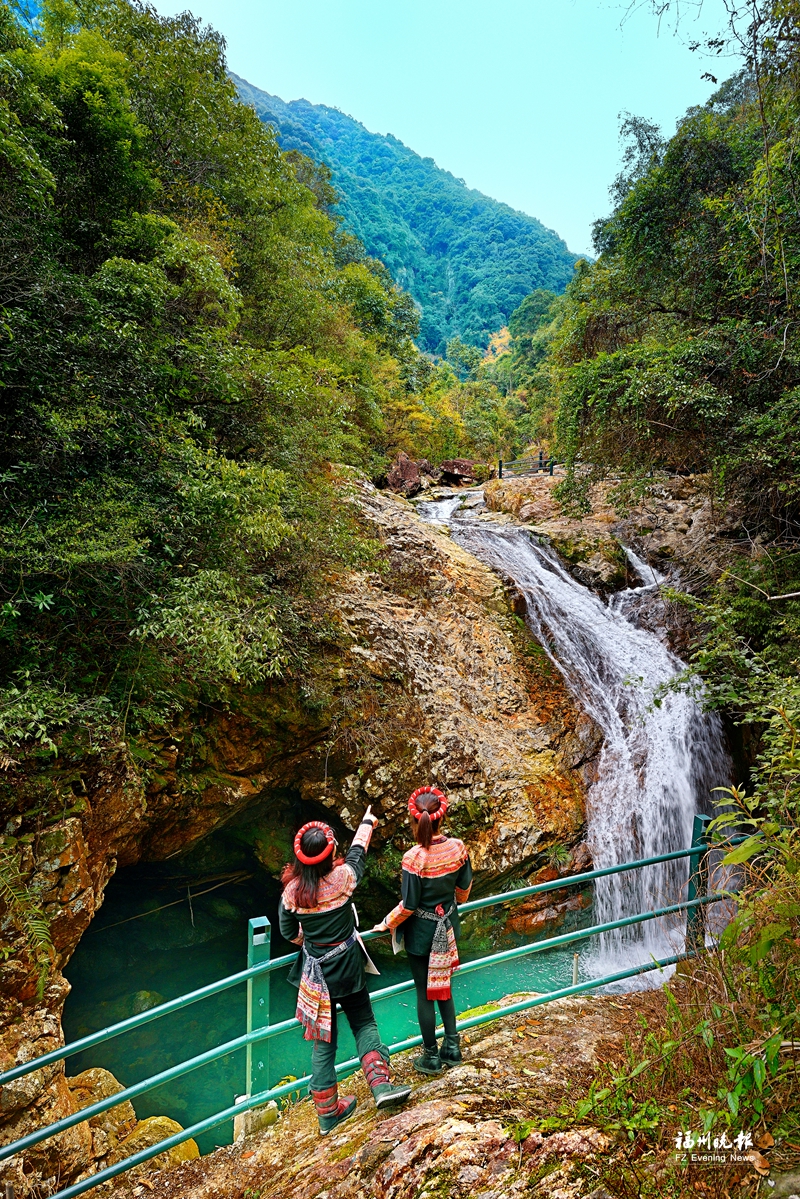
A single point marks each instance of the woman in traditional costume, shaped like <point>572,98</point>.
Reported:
<point>437,876</point>
<point>315,912</point>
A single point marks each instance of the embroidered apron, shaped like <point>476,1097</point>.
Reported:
<point>314,998</point>
<point>444,952</point>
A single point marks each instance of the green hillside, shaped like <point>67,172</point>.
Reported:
<point>466,259</point>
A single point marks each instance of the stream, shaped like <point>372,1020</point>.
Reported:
<point>661,754</point>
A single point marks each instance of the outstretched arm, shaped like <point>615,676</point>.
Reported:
<point>356,856</point>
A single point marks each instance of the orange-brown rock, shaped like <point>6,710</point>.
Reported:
<point>405,475</point>
<point>549,909</point>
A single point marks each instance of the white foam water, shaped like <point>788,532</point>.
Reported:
<point>661,754</point>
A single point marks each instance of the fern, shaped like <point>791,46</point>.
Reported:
<point>27,915</point>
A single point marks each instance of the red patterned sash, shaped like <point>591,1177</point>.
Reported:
<point>444,952</point>
<point>314,998</point>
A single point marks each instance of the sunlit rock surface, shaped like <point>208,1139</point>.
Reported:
<point>669,520</point>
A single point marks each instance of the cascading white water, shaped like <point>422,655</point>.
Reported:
<point>661,755</point>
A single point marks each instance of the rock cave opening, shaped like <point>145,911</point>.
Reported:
<point>165,929</point>
<point>169,927</point>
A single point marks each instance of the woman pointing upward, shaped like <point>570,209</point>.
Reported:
<point>315,912</point>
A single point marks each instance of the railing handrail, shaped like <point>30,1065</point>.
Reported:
<point>268,1031</point>
<point>130,1022</point>
<point>263,1097</point>
<point>532,465</point>
<point>171,1005</point>
<point>570,880</point>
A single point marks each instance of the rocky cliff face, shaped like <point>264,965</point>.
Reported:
<point>424,675</point>
<point>673,520</point>
<point>673,524</point>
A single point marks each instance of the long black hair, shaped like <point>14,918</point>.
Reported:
<point>308,877</point>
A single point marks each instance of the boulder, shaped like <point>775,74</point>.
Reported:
<point>404,476</point>
<point>95,1084</point>
<point>109,1127</point>
<point>671,523</point>
<point>458,470</point>
<point>148,1133</point>
<point>426,468</point>
<point>549,909</point>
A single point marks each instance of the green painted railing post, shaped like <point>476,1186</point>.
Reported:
<point>258,1075</point>
<point>500,468</point>
<point>698,882</point>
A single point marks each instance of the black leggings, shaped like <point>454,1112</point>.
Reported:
<point>426,1008</point>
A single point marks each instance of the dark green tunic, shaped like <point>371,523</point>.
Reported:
<point>442,875</point>
<point>331,921</point>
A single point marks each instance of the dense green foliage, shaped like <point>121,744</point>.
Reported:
<point>488,405</point>
<point>679,349</point>
<point>467,260</point>
<point>459,414</point>
<point>524,372</point>
<point>186,342</point>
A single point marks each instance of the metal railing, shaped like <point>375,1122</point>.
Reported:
<point>260,1033</point>
<point>517,467</point>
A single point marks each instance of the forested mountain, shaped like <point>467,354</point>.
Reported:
<point>466,259</point>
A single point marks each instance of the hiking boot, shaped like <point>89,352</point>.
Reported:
<point>376,1072</point>
<point>429,1061</point>
<point>450,1052</point>
<point>331,1110</point>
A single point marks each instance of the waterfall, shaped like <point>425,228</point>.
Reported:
<point>661,754</point>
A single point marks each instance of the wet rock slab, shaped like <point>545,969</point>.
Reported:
<point>673,520</point>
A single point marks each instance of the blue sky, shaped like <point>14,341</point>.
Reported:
<point>520,98</point>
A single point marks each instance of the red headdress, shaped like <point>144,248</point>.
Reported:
<point>438,813</point>
<point>329,837</point>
